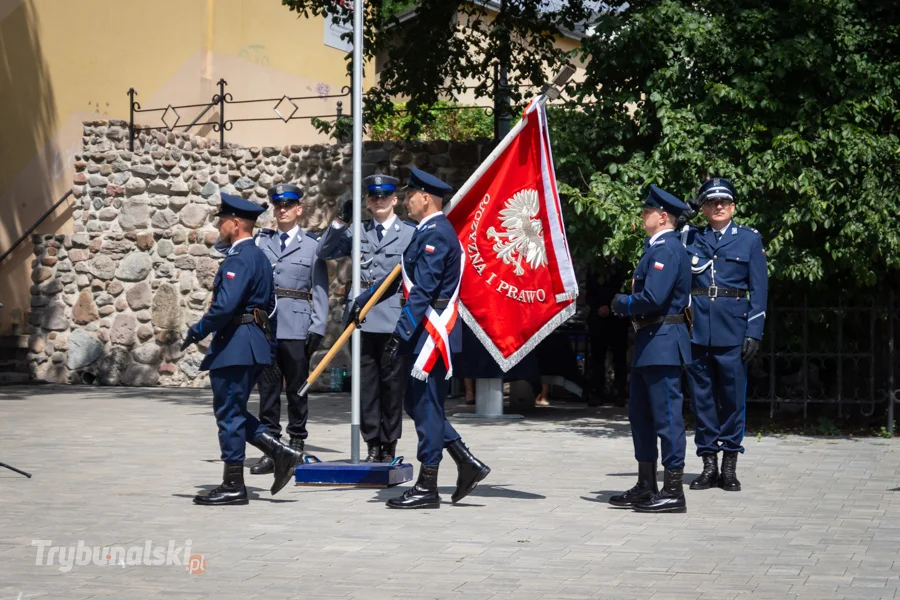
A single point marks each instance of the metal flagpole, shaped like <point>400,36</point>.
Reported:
<point>357,215</point>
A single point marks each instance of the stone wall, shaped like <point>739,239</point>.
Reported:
<point>110,302</point>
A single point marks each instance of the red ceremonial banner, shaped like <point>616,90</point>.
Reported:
<point>518,282</point>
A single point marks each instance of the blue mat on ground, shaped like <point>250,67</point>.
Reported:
<point>347,474</point>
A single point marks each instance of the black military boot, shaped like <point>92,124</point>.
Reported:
<point>263,467</point>
<point>389,452</point>
<point>422,495</point>
<point>285,458</point>
<point>728,480</point>
<point>374,451</point>
<point>298,444</point>
<point>643,491</point>
<point>231,492</point>
<point>710,475</point>
<point>470,470</point>
<point>670,498</point>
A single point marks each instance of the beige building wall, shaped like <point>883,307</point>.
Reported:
<point>64,62</point>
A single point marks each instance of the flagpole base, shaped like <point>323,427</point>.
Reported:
<point>488,402</point>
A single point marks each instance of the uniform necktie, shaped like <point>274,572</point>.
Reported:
<point>284,237</point>
<point>718,236</point>
<point>379,229</point>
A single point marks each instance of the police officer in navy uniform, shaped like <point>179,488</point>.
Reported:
<point>384,239</point>
<point>301,289</point>
<point>433,263</point>
<point>243,297</point>
<point>729,290</point>
<point>660,294</point>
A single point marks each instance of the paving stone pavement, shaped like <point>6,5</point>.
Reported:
<point>818,518</point>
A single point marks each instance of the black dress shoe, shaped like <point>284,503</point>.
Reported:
<point>263,467</point>
<point>423,494</point>
<point>231,492</point>
<point>709,478</point>
<point>285,459</point>
<point>670,499</point>
<point>389,452</point>
<point>374,451</point>
<point>728,480</point>
<point>643,491</point>
<point>470,470</point>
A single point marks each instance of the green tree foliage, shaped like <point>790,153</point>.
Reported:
<point>453,45</point>
<point>446,121</point>
<point>795,101</point>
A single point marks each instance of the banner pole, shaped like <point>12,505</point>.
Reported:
<point>358,10</point>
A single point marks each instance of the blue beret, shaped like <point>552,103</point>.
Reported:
<point>420,180</point>
<point>285,192</point>
<point>380,185</point>
<point>235,206</point>
<point>658,198</point>
<point>716,189</point>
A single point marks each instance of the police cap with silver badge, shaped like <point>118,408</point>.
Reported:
<point>235,206</point>
<point>380,186</point>
<point>426,182</point>
<point>716,188</point>
<point>663,200</point>
<point>285,193</point>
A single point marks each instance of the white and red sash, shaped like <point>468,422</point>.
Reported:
<point>438,327</point>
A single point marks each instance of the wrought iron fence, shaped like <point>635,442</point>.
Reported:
<point>285,109</point>
<point>841,355</point>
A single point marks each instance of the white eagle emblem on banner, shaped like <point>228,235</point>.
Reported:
<point>523,240</point>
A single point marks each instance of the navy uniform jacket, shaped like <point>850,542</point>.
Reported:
<point>662,286</point>
<point>433,263</point>
<point>242,283</point>
<point>376,262</point>
<point>737,261</point>
<point>297,268</point>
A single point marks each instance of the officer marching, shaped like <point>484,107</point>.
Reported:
<point>385,237</point>
<point>243,297</point>
<point>432,269</point>
<point>660,294</point>
<point>301,289</point>
<point>728,263</point>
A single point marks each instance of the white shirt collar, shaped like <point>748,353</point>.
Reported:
<point>723,230</point>
<point>291,234</point>
<point>657,234</point>
<point>428,218</point>
<point>387,222</point>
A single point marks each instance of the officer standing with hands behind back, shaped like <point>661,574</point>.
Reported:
<point>384,239</point>
<point>657,306</point>
<point>301,288</point>
<point>728,262</point>
<point>243,297</point>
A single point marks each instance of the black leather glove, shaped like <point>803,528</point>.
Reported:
<point>390,350</point>
<point>313,340</point>
<point>190,337</point>
<point>272,374</point>
<point>749,351</point>
<point>355,309</point>
<point>346,212</point>
<point>615,301</point>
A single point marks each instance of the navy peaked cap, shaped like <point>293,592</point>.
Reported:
<point>285,192</point>
<point>659,198</point>
<point>716,188</point>
<point>380,185</point>
<point>420,180</point>
<point>235,206</point>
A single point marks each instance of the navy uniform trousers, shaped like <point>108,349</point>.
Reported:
<point>424,403</point>
<point>654,410</point>
<point>719,389</point>
<point>231,391</point>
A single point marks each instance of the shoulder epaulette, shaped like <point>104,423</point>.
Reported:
<point>311,235</point>
<point>408,223</point>
<point>749,228</point>
<point>266,231</point>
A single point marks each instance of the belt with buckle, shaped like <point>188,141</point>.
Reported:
<point>640,323</point>
<point>715,291</point>
<point>243,319</point>
<point>439,304</point>
<point>296,294</point>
